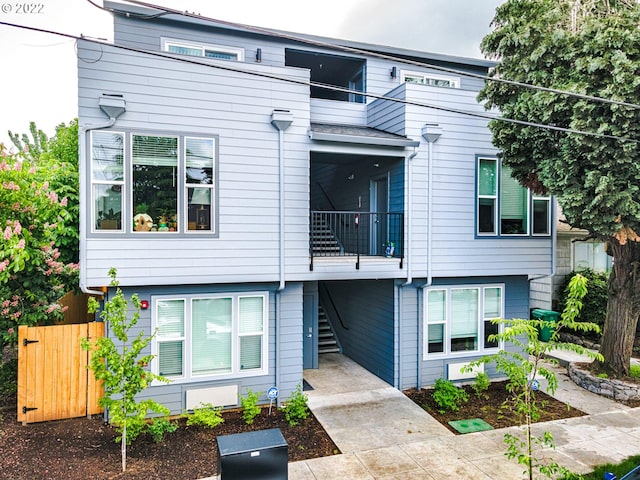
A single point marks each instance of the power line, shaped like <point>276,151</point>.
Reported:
<point>345,48</point>
<point>193,61</point>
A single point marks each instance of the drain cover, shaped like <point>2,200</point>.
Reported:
<point>470,425</point>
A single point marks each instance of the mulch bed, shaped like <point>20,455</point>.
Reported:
<point>82,448</point>
<point>490,408</point>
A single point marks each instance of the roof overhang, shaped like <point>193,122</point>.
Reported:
<point>361,135</point>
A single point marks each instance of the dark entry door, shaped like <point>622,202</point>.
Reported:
<point>380,207</point>
<point>310,331</point>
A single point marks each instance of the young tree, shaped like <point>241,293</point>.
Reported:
<point>122,367</point>
<point>592,48</point>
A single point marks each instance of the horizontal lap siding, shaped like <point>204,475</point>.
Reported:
<point>456,250</point>
<point>167,96</point>
<point>289,362</point>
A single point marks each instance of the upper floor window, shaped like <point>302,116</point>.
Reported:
<point>145,183</point>
<point>205,336</point>
<point>506,208</point>
<point>459,319</point>
<point>202,50</point>
<point>429,79</point>
<point>591,255</point>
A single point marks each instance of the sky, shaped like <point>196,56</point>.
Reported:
<point>38,71</point>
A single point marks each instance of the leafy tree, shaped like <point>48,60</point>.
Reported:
<point>122,368</point>
<point>524,366</point>
<point>592,48</point>
<point>33,275</point>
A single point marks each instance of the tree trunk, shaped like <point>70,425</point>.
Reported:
<point>623,307</point>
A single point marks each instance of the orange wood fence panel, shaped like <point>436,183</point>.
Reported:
<point>53,379</point>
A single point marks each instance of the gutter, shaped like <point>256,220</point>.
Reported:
<point>113,106</point>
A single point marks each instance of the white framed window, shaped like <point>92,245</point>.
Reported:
<point>107,180</point>
<point>201,337</point>
<point>144,183</point>
<point>220,52</point>
<point>591,255</point>
<point>458,319</point>
<point>504,207</point>
<point>430,79</point>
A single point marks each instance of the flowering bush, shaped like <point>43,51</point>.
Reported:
<point>33,222</point>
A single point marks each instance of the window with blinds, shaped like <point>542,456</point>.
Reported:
<point>514,205</point>
<point>208,336</point>
<point>220,52</point>
<point>504,207</point>
<point>153,184</point>
<point>458,318</point>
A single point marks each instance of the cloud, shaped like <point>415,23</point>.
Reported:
<point>453,27</point>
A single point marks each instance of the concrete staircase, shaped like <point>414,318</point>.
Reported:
<point>327,341</point>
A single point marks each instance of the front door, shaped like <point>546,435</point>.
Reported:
<point>379,209</point>
<point>310,331</point>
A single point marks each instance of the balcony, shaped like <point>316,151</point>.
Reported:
<point>356,234</point>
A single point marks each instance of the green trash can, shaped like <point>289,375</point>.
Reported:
<point>545,332</point>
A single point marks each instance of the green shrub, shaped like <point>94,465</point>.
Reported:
<point>159,427</point>
<point>447,396</point>
<point>205,415</point>
<point>296,409</point>
<point>634,371</point>
<point>250,408</point>
<point>594,304</point>
<point>481,385</point>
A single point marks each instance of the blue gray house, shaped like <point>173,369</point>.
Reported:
<point>273,196</point>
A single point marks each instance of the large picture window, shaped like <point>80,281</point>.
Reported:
<point>210,336</point>
<point>152,184</point>
<point>504,207</point>
<point>459,319</point>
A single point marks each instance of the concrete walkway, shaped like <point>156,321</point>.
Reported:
<point>384,435</point>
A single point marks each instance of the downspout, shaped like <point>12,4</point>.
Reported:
<point>281,120</point>
<point>554,246</point>
<point>407,254</point>
<point>407,257</point>
<point>431,132</point>
<point>113,106</point>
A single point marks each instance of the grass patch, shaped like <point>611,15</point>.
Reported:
<point>619,469</point>
<point>634,371</point>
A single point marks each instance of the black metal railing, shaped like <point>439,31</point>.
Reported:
<point>343,234</point>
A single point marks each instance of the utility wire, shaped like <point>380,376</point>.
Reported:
<point>193,61</point>
<point>344,48</point>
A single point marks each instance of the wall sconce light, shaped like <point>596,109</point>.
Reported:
<point>259,55</point>
<point>351,176</point>
<point>376,165</point>
<point>144,304</point>
<point>394,72</point>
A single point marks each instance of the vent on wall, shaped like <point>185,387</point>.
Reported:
<point>216,396</point>
<point>455,371</point>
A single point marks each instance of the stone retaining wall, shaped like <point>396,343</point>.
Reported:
<point>616,389</point>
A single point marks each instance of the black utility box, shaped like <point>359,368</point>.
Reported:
<point>260,455</point>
